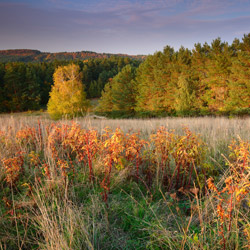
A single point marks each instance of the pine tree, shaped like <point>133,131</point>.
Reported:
<point>67,97</point>
<point>185,101</point>
<point>199,72</point>
<point>155,82</point>
<point>124,90</point>
<point>93,89</point>
<point>31,95</point>
<point>219,65</point>
<point>14,86</point>
<point>239,87</point>
<point>105,102</point>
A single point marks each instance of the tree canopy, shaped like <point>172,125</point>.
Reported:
<point>67,97</point>
<point>120,93</point>
<point>26,86</point>
<point>210,79</point>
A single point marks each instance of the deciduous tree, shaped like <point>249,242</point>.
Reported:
<point>67,97</point>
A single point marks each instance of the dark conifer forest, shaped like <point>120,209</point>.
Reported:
<point>26,86</point>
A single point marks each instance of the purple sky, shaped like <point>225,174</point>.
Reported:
<point>119,26</point>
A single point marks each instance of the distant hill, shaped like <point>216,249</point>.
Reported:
<point>28,55</point>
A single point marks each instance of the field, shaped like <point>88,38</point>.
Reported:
<point>93,183</point>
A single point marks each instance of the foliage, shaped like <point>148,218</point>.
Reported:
<point>64,186</point>
<point>185,96</point>
<point>21,88</point>
<point>231,197</point>
<point>28,55</point>
<point>67,97</point>
<point>210,79</point>
<point>26,86</point>
<point>119,94</point>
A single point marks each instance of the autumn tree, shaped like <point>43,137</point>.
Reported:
<point>67,97</point>
<point>211,79</point>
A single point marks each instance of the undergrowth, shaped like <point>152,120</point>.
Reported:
<point>65,187</point>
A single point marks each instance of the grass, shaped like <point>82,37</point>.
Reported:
<point>51,205</point>
<point>212,129</point>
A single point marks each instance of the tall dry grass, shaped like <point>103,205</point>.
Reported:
<point>211,129</point>
<point>65,221</point>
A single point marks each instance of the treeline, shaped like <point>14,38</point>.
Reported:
<point>210,79</point>
<point>28,55</point>
<point>26,86</point>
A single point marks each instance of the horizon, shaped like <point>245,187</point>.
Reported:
<point>79,51</point>
<point>133,27</point>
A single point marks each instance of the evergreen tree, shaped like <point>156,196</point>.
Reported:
<point>185,101</point>
<point>14,86</point>
<point>199,72</point>
<point>124,90</point>
<point>32,93</point>
<point>239,87</point>
<point>219,65</point>
<point>105,102</point>
<point>93,89</point>
<point>46,78</point>
<point>120,92</point>
<point>155,82</point>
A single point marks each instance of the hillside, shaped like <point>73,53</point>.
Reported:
<point>28,55</point>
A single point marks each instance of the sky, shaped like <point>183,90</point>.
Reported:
<point>119,26</point>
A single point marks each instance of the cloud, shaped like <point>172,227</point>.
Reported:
<point>120,26</point>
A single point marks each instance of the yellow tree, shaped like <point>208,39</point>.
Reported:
<point>67,97</point>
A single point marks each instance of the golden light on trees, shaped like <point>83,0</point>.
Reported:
<point>67,97</point>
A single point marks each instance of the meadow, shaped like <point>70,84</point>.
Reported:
<point>94,183</point>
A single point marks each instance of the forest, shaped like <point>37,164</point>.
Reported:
<point>26,86</point>
<point>153,184</point>
<point>29,55</point>
<point>207,80</point>
<point>210,79</point>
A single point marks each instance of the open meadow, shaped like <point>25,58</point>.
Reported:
<point>124,125</point>
<point>94,183</point>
